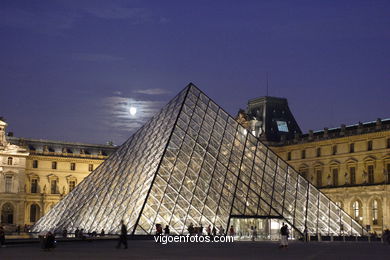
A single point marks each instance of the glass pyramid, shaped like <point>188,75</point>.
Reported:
<point>193,163</point>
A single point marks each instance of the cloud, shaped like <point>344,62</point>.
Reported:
<point>152,91</point>
<point>95,57</point>
<point>117,113</point>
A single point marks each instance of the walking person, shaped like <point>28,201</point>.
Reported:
<point>231,231</point>
<point>287,235</point>
<point>208,230</point>
<point>214,231</point>
<point>252,234</point>
<point>76,233</point>
<point>50,241</point>
<point>255,233</point>
<point>65,233</point>
<point>221,231</point>
<point>282,235</point>
<point>123,236</point>
<point>200,230</point>
<point>2,237</point>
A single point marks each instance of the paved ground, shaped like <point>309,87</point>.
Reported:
<point>142,249</point>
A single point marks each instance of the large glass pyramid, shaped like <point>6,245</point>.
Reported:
<point>193,163</point>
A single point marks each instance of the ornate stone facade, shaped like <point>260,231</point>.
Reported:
<point>351,165</point>
<point>36,174</point>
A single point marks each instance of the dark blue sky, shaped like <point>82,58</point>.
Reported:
<point>69,70</point>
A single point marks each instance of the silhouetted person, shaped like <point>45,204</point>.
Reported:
<point>2,237</point>
<point>221,231</point>
<point>159,229</point>
<point>123,236</point>
<point>76,233</point>
<point>166,230</point>
<point>50,241</point>
<point>65,233</point>
<point>214,231</point>
<point>208,230</point>
<point>191,229</point>
<point>231,231</point>
<point>102,233</point>
<point>81,234</point>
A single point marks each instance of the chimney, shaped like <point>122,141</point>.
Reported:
<point>311,135</point>
<point>378,124</point>
<point>360,128</point>
<point>342,129</point>
<point>326,132</point>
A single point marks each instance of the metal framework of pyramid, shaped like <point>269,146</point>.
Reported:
<point>193,163</point>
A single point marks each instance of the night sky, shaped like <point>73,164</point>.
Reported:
<point>70,70</point>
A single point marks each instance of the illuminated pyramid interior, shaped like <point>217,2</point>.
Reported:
<point>193,163</point>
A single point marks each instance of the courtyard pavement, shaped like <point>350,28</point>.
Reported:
<point>147,249</point>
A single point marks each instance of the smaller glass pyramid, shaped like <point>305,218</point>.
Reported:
<point>193,163</point>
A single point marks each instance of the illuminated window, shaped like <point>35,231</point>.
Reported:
<point>72,185</point>
<point>318,152</point>
<point>35,163</point>
<point>72,166</point>
<point>335,174</point>
<point>90,167</point>
<point>34,186</point>
<point>356,210</point>
<point>370,170</point>
<point>369,145</point>
<point>319,178</point>
<point>375,212</point>
<point>352,174</point>
<point>282,126</point>
<point>54,165</point>
<point>352,148</point>
<point>303,154</point>
<point>8,183</point>
<point>9,162</point>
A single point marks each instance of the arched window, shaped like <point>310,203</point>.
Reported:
<point>356,210</point>
<point>34,212</point>
<point>375,214</point>
<point>7,213</point>
<point>9,162</point>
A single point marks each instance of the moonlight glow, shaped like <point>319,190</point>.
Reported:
<point>133,111</point>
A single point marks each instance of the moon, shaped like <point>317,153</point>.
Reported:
<point>133,111</point>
